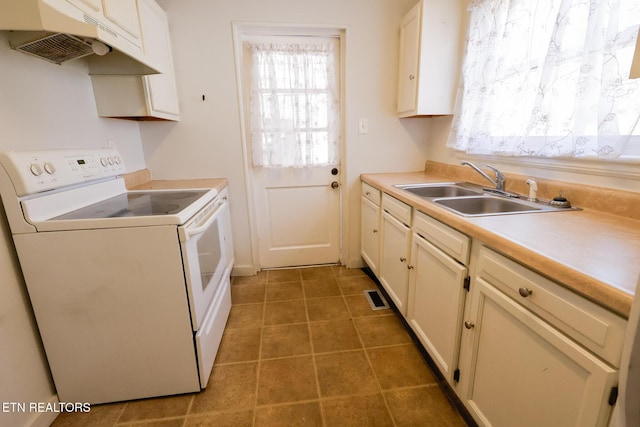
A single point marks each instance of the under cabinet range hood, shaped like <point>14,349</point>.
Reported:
<point>61,30</point>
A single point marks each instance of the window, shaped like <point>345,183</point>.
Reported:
<point>550,79</point>
<point>294,101</point>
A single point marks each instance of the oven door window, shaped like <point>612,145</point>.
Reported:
<point>209,256</point>
<point>204,261</point>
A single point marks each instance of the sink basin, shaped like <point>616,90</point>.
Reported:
<point>439,190</point>
<point>488,205</point>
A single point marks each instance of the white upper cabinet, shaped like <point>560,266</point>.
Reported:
<point>123,13</point>
<point>152,97</point>
<point>429,64</point>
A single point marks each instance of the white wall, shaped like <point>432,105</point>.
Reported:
<point>42,105</point>
<point>207,141</point>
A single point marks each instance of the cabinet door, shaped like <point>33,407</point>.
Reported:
<point>409,57</point>
<point>370,233</point>
<point>436,302</point>
<point>123,13</point>
<point>394,254</point>
<point>90,6</point>
<point>160,89</point>
<point>524,372</point>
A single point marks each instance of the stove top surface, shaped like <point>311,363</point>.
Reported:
<point>136,204</point>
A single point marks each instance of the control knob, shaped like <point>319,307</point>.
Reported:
<point>35,169</point>
<point>49,168</point>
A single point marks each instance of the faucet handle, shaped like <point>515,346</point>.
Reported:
<point>500,178</point>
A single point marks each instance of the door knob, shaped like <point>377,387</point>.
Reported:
<point>469,325</point>
<point>334,171</point>
<point>335,185</point>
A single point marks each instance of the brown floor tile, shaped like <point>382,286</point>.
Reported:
<point>315,273</point>
<point>300,414</point>
<point>424,406</point>
<point>356,411</point>
<point>239,345</point>
<point>354,285</point>
<point>381,330</point>
<point>261,277</point>
<point>161,407</point>
<point>289,275</point>
<point>284,291</point>
<point>345,373</point>
<point>99,416</point>
<point>359,306</point>
<point>342,271</point>
<point>287,380</point>
<point>331,308</point>
<point>319,288</point>
<point>221,419</point>
<point>167,422</point>
<point>285,312</point>
<point>245,316</point>
<point>247,294</point>
<point>285,341</point>
<point>400,366</point>
<point>231,387</point>
<point>337,335</point>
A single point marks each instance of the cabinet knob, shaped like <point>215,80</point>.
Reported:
<point>469,325</point>
<point>367,193</point>
<point>411,77</point>
<point>409,267</point>
<point>402,259</point>
<point>525,292</point>
<point>375,231</point>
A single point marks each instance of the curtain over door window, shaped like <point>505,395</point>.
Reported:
<point>294,102</point>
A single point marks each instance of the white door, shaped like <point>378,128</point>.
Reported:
<point>298,216</point>
<point>294,131</point>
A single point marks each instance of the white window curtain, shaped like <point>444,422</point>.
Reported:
<point>294,102</point>
<point>548,78</point>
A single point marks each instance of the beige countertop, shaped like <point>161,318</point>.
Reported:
<point>141,180</point>
<point>593,253</point>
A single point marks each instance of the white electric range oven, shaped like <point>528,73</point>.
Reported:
<point>130,289</point>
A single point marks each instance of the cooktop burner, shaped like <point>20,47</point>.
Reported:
<point>133,204</point>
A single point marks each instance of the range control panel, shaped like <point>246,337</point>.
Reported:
<point>36,171</point>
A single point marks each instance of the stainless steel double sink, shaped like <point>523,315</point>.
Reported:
<point>472,200</point>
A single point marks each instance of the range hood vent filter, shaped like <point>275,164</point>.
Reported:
<point>57,48</point>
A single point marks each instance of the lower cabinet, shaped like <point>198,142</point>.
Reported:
<point>394,258</point>
<point>517,348</point>
<point>519,369</point>
<point>437,292</point>
<point>370,227</point>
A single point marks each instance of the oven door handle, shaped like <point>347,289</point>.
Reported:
<point>199,229</point>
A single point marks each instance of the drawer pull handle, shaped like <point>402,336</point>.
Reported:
<point>469,325</point>
<point>409,267</point>
<point>368,193</point>
<point>402,259</point>
<point>525,292</point>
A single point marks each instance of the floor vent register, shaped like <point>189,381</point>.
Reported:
<point>376,300</point>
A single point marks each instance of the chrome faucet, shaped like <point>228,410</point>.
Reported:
<point>500,178</point>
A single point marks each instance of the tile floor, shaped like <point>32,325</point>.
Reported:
<point>302,347</point>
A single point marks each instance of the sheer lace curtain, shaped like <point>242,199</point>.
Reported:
<point>548,78</point>
<point>294,102</point>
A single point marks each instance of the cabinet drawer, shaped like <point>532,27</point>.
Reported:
<point>399,210</point>
<point>591,325</point>
<point>371,193</point>
<point>450,241</point>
